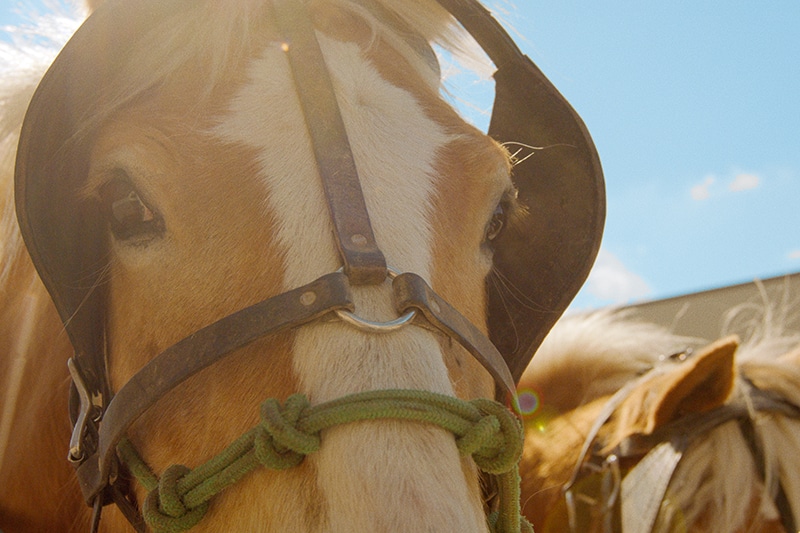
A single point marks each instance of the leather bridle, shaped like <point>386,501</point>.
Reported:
<point>541,261</point>
<point>97,433</point>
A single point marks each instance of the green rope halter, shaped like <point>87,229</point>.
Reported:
<point>484,429</point>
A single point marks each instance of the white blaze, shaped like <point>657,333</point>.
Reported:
<point>363,469</point>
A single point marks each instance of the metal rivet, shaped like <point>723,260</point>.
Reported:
<point>358,239</point>
<point>308,298</point>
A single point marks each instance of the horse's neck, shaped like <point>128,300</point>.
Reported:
<point>550,457</point>
<point>37,486</point>
<point>596,354</point>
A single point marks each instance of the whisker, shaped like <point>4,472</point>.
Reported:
<point>101,277</point>
<point>520,147</point>
<point>496,279</point>
<point>519,296</point>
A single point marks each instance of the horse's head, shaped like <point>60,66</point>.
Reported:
<point>673,440</point>
<point>183,161</point>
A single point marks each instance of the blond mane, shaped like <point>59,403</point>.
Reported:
<point>172,44</point>
<point>600,352</point>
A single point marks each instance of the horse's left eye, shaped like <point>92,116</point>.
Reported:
<point>128,215</point>
<point>495,225</point>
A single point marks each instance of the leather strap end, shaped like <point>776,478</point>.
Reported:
<point>411,291</point>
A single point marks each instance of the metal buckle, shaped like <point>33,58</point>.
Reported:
<point>86,424</point>
<point>611,483</point>
<point>371,326</point>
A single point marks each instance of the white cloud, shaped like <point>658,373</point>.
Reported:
<point>701,191</point>
<point>744,182</point>
<point>610,280</point>
<point>794,254</point>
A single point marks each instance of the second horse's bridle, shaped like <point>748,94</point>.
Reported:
<point>636,473</point>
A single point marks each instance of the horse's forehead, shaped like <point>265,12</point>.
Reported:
<point>394,144</point>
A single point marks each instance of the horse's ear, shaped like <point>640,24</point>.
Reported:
<point>698,385</point>
<point>702,383</point>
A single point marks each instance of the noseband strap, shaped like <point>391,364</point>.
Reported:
<point>189,356</point>
<point>411,292</point>
<point>93,453</point>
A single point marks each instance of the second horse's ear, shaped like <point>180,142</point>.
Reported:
<point>695,386</point>
<point>703,383</point>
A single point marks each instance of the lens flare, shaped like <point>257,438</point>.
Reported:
<point>527,402</point>
<point>535,414</point>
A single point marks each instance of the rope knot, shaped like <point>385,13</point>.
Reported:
<point>495,440</point>
<point>164,509</point>
<point>482,433</point>
<point>279,444</point>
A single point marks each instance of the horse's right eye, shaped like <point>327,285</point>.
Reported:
<point>129,217</point>
<point>496,224</point>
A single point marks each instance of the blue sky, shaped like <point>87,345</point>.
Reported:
<point>695,111</point>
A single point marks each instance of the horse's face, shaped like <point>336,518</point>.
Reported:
<point>213,202</point>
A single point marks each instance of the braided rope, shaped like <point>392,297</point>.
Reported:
<point>484,429</point>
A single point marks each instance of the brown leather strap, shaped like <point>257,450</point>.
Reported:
<point>198,351</point>
<point>363,261</point>
<point>411,291</point>
<point>694,425</point>
<point>645,487</point>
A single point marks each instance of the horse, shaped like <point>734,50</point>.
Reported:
<point>223,205</point>
<point>632,428</point>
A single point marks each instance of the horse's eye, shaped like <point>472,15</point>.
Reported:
<point>128,215</point>
<point>495,225</point>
